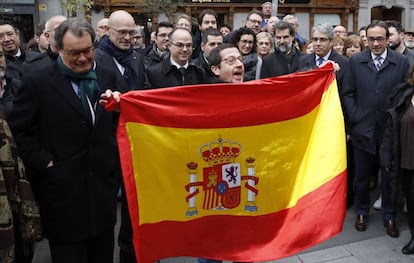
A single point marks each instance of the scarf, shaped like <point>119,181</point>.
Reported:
<point>124,57</point>
<point>88,86</point>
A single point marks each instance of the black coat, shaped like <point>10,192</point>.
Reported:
<point>14,64</point>
<point>365,95</point>
<point>277,63</point>
<point>6,101</point>
<point>307,62</point>
<point>103,58</point>
<point>77,195</point>
<point>389,150</point>
<point>164,74</point>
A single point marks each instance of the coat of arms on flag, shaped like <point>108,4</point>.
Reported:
<point>222,178</point>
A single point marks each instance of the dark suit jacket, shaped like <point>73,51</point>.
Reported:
<point>366,92</point>
<point>164,74</point>
<point>103,58</point>
<point>307,62</point>
<point>77,195</point>
<point>277,64</point>
<point>14,64</point>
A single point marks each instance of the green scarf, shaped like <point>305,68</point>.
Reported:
<point>88,86</point>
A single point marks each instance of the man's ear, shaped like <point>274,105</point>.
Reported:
<point>215,70</point>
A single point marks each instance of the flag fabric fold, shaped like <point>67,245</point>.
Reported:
<point>254,171</point>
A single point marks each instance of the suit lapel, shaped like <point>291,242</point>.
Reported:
<point>63,86</point>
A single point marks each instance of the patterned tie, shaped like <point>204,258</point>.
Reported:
<point>378,62</point>
<point>320,61</point>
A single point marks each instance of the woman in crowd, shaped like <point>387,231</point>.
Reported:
<point>363,35</point>
<point>245,40</point>
<point>353,45</point>
<point>397,148</point>
<point>308,48</point>
<point>264,47</point>
<point>338,45</point>
<point>264,44</point>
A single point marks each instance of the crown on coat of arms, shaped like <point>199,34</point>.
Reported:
<point>220,151</point>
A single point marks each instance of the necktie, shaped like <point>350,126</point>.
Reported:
<point>182,70</point>
<point>378,62</point>
<point>320,61</point>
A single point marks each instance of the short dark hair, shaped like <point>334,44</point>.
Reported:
<point>225,25</point>
<point>214,58</point>
<point>7,22</point>
<point>206,12</point>
<point>283,25</point>
<point>255,11</point>
<point>209,32</point>
<point>163,24</point>
<point>235,38</point>
<point>77,26</point>
<point>170,35</point>
<point>379,23</point>
<point>397,25</point>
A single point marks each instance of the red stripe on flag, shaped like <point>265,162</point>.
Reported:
<point>198,107</point>
<point>274,236</point>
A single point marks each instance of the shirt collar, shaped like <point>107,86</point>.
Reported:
<point>383,55</point>
<point>178,65</point>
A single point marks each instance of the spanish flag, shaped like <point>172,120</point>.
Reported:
<point>254,171</point>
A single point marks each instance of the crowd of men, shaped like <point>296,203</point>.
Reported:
<point>67,140</point>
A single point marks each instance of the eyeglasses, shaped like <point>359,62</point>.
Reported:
<point>231,60</point>
<point>182,45</point>
<point>124,32</point>
<point>74,54</point>
<point>373,39</point>
<point>255,21</point>
<point>320,39</point>
<point>246,42</point>
<point>263,43</point>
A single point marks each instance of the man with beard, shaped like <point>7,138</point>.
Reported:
<point>285,59</point>
<point>409,38</point>
<point>207,19</point>
<point>396,40</point>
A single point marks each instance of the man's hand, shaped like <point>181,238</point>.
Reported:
<point>109,95</point>
<point>335,65</point>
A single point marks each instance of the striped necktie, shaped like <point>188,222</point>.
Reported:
<point>378,62</point>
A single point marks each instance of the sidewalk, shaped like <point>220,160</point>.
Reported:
<point>350,246</point>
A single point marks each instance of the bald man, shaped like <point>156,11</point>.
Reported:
<point>51,55</point>
<point>101,28</point>
<point>116,51</point>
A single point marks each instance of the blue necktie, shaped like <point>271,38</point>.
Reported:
<point>320,61</point>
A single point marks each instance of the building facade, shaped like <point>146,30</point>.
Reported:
<point>353,14</point>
